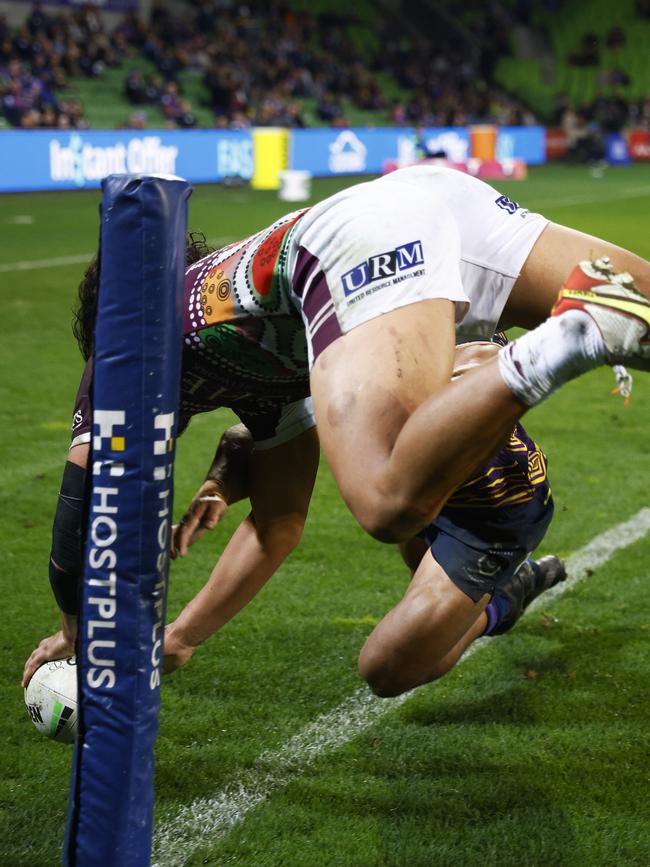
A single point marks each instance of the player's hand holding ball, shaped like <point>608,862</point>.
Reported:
<point>57,646</point>
<point>51,699</point>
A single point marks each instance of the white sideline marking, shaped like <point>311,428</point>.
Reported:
<point>77,259</point>
<point>35,264</point>
<point>586,199</point>
<point>20,220</point>
<point>207,820</point>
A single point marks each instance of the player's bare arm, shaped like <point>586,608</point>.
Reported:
<point>64,574</point>
<point>281,481</point>
<point>226,483</point>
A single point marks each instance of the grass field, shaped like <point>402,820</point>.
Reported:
<point>534,751</point>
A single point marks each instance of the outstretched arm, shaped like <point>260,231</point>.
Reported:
<point>227,482</point>
<point>65,562</point>
<point>280,486</point>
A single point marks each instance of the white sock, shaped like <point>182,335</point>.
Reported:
<point>539,362</point>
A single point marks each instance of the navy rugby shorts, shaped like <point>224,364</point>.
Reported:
<point>481,549</point>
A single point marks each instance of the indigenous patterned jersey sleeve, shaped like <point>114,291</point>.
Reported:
<point>245,345</point>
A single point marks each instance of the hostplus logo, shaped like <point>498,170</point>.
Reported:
<point>386,267</point>
<point>104,529</point>
<point>109,435</point>
<point>163,452</point>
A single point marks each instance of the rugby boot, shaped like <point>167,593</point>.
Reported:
<point>619,310</point>
<point>532,579</point>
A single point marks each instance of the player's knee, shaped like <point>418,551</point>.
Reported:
<point>282,537</point>
<point>379,677</point>
<point>382,672</point>
<point>391,517</point>
<point>388,681</point>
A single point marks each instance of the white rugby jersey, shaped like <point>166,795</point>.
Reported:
<point>259,311</point>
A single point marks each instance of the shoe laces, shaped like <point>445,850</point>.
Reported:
<point>605,269</point>
<point>624,383</point>
<point>603,266</point>
<point>624,279</point>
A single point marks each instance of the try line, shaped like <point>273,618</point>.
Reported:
<point>35,264</point>
<point>207,820</point>
<point>76,259</point>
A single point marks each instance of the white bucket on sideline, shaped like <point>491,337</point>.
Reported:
<point>295,186</point>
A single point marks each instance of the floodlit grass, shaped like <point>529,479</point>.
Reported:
<point>533,752</point>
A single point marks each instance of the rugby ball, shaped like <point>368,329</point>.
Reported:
<point>51,699</point>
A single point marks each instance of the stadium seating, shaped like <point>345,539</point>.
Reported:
<point>373,70</point>
<point>564,29</point>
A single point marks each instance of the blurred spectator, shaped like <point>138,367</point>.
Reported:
<point>398,113</point>
<point>643,112</point>
<point>589,52</point>
<point>239,120</point>
<point>135,88</point>
<point>615,39</point>
<point>136,120</point>
<point>612,78</point>
<point>153,88</point>
<point>610,113</point>
<point>584,140</point>
<point>329,108</point>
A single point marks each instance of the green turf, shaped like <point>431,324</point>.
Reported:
<point>533,752</point>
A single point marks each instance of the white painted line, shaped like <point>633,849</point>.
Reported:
<point>207,820</point>
<point>587,199</point>
<point>77,259</point>
<point>35,264</point>
<point>20,220</point>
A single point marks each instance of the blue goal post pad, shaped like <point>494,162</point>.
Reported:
<point>135,396</point>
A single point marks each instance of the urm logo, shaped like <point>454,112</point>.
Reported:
<point>382,266</point>
<point>507,204</point>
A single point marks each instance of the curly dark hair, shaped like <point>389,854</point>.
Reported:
<point>84,315</point>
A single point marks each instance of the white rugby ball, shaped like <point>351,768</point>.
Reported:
<point>51,699</point>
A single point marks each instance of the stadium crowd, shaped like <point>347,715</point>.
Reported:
<point>258,66</point>
<point>265,64</point>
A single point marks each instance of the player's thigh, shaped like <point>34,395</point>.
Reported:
<point>556,252</point>
<point>368,382</point>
